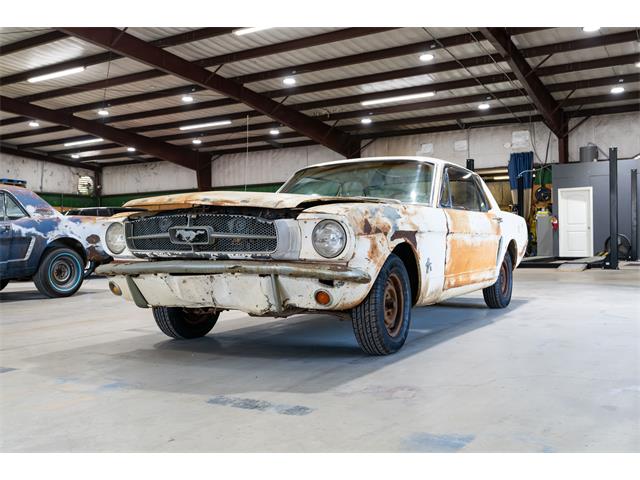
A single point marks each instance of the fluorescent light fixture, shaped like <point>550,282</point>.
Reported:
<point>75,155</point>
<point>187,98</point>
<point>618,89</point>
<point>34,124</point>
<point>61,73</point>
<point>289,81</point>
<point>274,131</point>
<point>366,121</point>
<point>103,112</point>
<point>426,57</point>
<point>400,98</point>
<point>131,149</point>
<point>248,30</point>
<point>196,141</point>
<point>205,125</point>
<point>484,106</point>
<point>83,142</point>
<point>590,29</point>
<point>501,177</point>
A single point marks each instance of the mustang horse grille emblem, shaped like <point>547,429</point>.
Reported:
<point>190,235</point>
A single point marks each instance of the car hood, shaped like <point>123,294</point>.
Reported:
<point>244,199</point>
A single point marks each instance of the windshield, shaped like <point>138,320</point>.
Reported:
<point>407,181</point>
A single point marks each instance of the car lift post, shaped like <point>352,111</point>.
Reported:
<point>521,194</point>
<point>634,214</point>
<point>613,209</point>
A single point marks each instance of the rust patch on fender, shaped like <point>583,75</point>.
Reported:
<point>93,239</point>
<point>408,235</point>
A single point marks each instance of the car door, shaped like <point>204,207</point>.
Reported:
<point>21,237</point>
<point>5,238</point>
<point>473,230</point>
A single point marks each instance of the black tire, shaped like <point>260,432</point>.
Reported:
<point>184,323</point>
<point>381,322</point>
<point>60,273</point>
<point>3,283</point>
<point>498,295</point>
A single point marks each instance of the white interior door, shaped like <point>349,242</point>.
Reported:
<point>575,221</point>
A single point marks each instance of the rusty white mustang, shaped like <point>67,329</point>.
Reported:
<point>364,239</point>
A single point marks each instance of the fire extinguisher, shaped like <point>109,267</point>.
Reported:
<point>554,223</point>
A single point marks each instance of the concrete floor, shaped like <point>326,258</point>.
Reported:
<point>558,371</point>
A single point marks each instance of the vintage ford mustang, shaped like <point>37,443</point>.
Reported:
<point>38,243</point>
<point>366,239</point>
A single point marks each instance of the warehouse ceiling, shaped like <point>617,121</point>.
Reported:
<point>137,89</point>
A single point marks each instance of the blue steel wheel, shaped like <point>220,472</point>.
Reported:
<point>60,273</point>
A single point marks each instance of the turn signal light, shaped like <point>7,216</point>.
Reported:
<point>115,289</point>
<point>322,297</point>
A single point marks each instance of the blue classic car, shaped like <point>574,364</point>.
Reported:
<point>39,243</point>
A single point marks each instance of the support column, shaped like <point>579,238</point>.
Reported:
<point>203,172</point>
<point>563,145</point>
<point>613,208</point>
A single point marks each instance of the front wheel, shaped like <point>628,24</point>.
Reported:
<point>498,295</point>
<point>184,323</point>
<point>381,321</point>
<point>60,273</point>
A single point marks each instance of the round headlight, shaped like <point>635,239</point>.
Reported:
<point>329,238</point>
<point>115,237</point>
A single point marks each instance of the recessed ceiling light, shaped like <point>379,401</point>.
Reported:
<point>61,73</point>
<point>274,131</point>
<point>196,141</point>
<point>103,112</point>
<point>247,30</point>
<point>83,142</point>
<point>400,98</point>
<point>484,106</point>
<point>75,155</point>
<point>426,57</point>
<point>34,124</point>
<point>590,29</point>
<point>204,125</point>
<point>131,149</point>
<point>618,89</point>
<point>289,81</point>
<point>365,121</point>
<point>187,98</point>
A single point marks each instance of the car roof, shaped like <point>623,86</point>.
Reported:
<point>432,160</point>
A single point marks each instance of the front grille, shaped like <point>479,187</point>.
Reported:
<point>228,233</point>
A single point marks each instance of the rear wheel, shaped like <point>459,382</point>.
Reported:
<point>185,323</point>
<point>498,295</point>
<point>60,273</point>
<point>381,321</point>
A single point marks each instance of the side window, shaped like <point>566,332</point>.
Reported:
<point>1,207</point>
<point>14,211</point>
<point>460,190</point>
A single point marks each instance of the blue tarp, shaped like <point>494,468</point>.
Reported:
<point>519,162</point>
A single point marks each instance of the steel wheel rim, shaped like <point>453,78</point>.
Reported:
<point>393,305</point>
<point>62,271</point>
<point>504,286</point>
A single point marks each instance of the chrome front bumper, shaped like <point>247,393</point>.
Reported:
<point>255,287</point>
